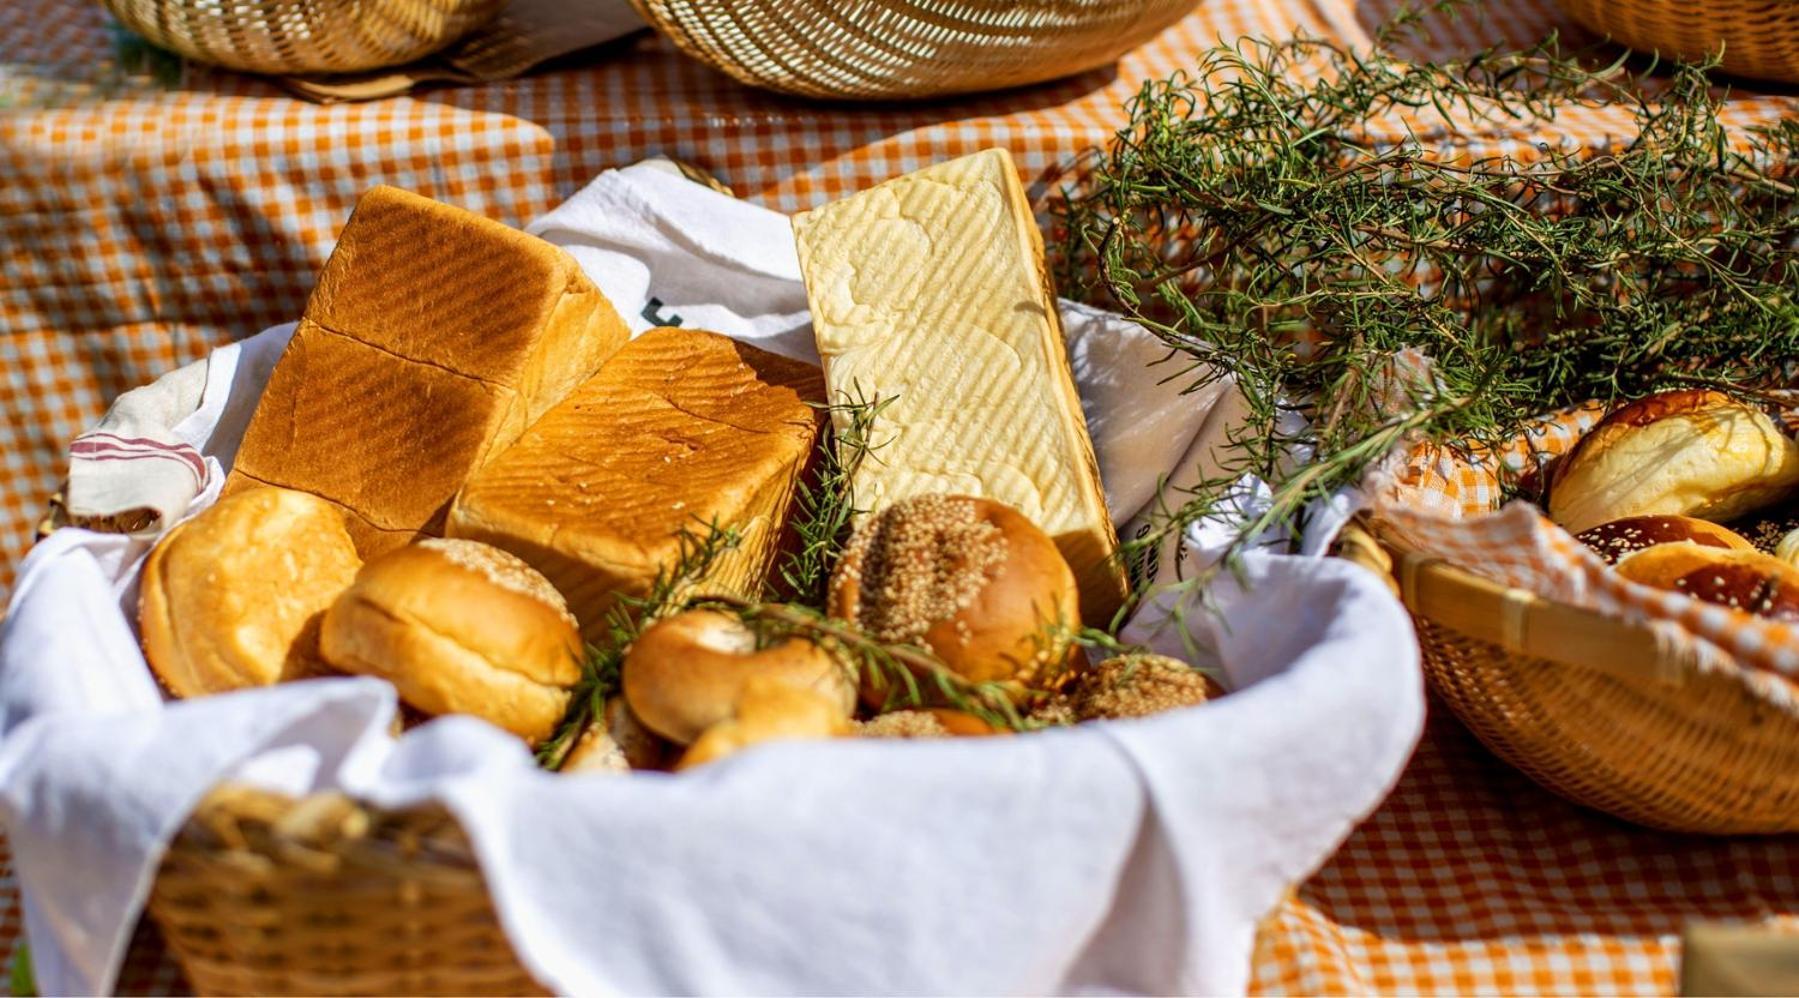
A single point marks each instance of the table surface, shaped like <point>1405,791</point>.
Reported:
<point>151,211</point>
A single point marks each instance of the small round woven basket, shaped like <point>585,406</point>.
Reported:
<point>1758,38</point>
<point>1604,711</point>
<point>896,49</point>
<point>303,36</point>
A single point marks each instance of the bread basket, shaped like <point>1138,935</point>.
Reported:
<point>887,49</point>
<point>304,36</point>
<point>1757,38</point>
<point>1601,710</point>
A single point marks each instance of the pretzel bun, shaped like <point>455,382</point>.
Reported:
<point>973,580</point>
<point>1742,580</point>
<point>769,709</point>
<point>232,598</point>
<point>685,673</point>
<point>1693,453</point>
<point>1619,539</point>
<point>460,627</point>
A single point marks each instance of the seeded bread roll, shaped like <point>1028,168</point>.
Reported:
<point>1774,532</point>
<point>1138,686</point>
<point>971,579</point>
<point>1742,580</point>
<point>1691,453</point>
<point>1619,539</point>
<point>929,722</point>
<point>460,628</point>
<point>686,673</point>
<point>232,598</point>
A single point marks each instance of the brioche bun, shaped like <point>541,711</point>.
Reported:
<point>1619,539</point>
<point>460,627</point>
<point>973,580</point>
<point>1749,581</point>
<point>685,673</point>
<point>1692,453</point>
<point>768,709</point>
<point>232,598</point>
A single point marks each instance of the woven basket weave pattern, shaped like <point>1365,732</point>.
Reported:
<point>1759,38</point>
<point>906,48</point>
<point>303,36</point>
<point>1665,743</point>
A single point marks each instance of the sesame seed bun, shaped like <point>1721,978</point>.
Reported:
<point>232,598</point>
<point>973,580</point>
<point>460,627</point>
<point>1619,539</point>
<point>1138,686</point>
<point>1741,580</point>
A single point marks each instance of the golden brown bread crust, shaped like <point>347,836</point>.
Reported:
<point>927,722</point>
<point>1692,452</point>
<point>459,628</point>
<point>1745,580</point>
<point>1138,686</point>
<point>232,598</point>
<point>682,428</point>
<point>433,338</point>
<point>971,579</point>
<point>1620,538</point>
<point>617,743</point>
<point>768,710</point>
<point>685,673</point>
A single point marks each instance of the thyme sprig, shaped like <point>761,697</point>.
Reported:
<point>700,548</point>
<point>1310,223</point>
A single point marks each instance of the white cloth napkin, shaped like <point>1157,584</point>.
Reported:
<point>1130,856</point>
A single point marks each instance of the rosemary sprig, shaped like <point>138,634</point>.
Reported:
<point>629,616</point>
<point>1296,217</point>
<point>909,675</point>
<point>823,505</point>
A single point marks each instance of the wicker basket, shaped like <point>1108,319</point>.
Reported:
<point>304,36</point>
<point>1605,712</point>
<point>1759,38</point>
<point>906,48</point>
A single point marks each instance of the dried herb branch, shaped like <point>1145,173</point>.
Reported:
<point>1307,222</point>
<point>629,616</point>
<point>823,506</point>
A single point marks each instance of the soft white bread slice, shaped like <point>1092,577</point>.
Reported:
<point>931,287</point>
<point>682,428</point>
<point>433,339</point>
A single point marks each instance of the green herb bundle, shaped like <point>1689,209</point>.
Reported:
<point>1294,216</point>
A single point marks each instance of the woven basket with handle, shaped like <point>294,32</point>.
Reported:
<point>906,48</point>
<point>1603,711</point>
<point>1758,38</point>
<point>304,36</point>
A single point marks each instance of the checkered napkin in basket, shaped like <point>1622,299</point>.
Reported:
<point>1444,504</point>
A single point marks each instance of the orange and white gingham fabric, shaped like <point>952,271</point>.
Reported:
<point>145,220</point>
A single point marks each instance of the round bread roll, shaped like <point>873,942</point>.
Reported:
<point>1619,539</point>
<point>460,627</point>
<point>616,742</point>
<point>768,709</point>
<point>973,580</point>
<point>1774,532</point>
<point>232,598</point>
<point>685,673</point>
<point>928,722</point>
<point>1138,686</point>
<point>1742,580</point>
<point>1691,453</point>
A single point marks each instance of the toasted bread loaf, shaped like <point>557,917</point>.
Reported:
<point>433,338</point>
<point>682,428</point>
<point>931,287</point>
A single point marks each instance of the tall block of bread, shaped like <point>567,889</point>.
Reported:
<point>931,287</point>
<point>681,429</point>
<point>433,338</point>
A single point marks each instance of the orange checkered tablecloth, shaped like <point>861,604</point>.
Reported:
<point>151,212</point>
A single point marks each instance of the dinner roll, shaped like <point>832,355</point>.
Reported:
<point>616,742</point>
<point>1620,538</point>
<point>768,710</point>
<point>685,673</point>
<point>928,722</point>
<point>1691,452</point>
<point>232,598</point>
<point>971,579</point>
<point>460,627</point>
<point>1742,580</point>
<point>1137,686</point>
